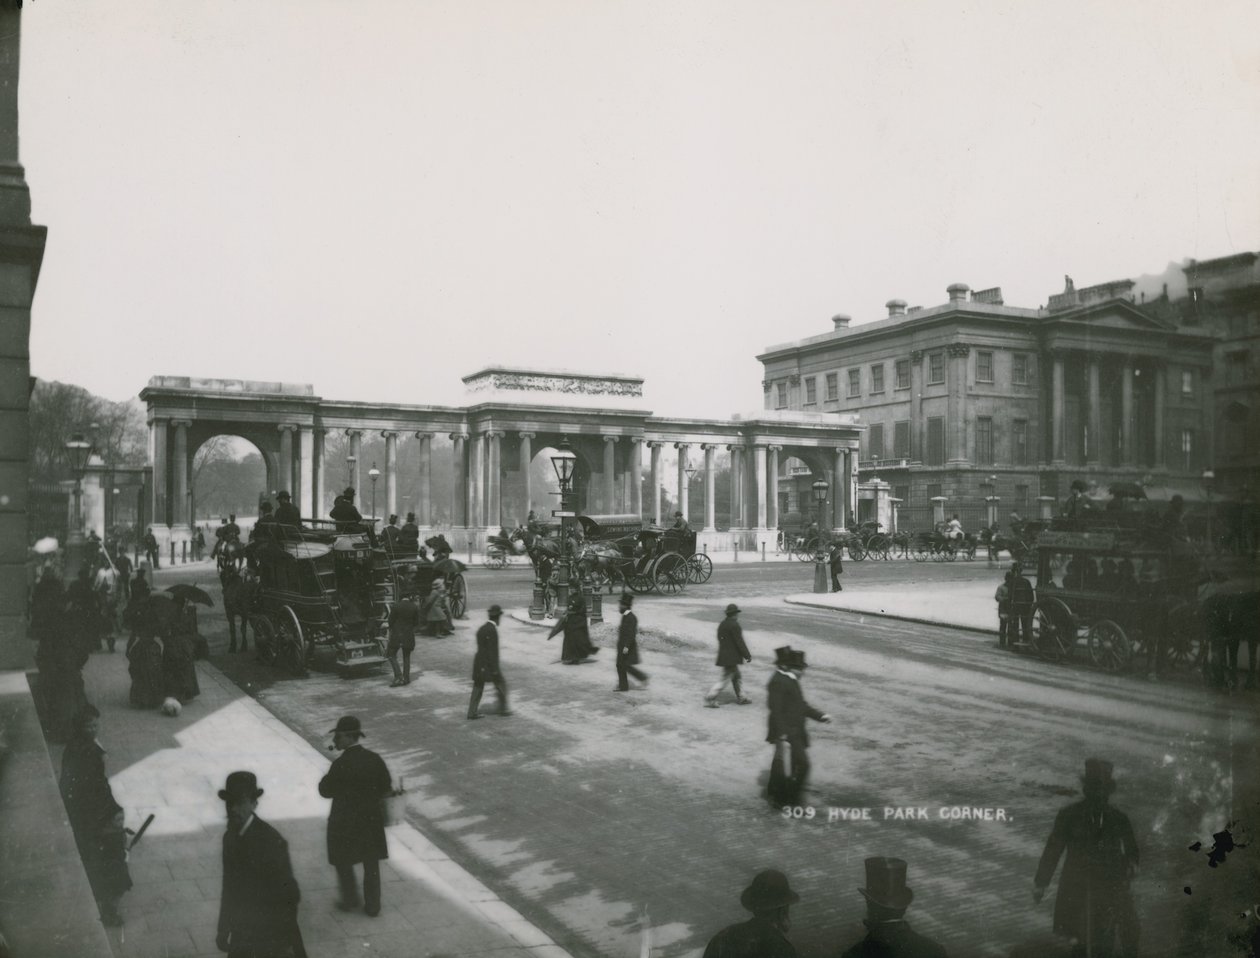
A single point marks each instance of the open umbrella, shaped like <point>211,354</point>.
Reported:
<point>190,593</point>
<point>1127,490</point>
<point>46,545</point>
<point>449,567</point>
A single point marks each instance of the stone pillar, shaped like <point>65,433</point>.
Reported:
<point>179,478</point>
<point>356,472</point>
<point>1045,508</point>
<point>956,402</point>
<point>306,469</point>
<point>636,476</point>
<point>494,480</point>
<point>476,479</point>
<point>1093,449</point>
<point>841,490</point>
<point>759,463</point>
<point>285,474</point>
<point>610,474</point>
<point>1161,374</point>
<point>1126,414</point>
<point>772,496</point>
<point>526,458</point>
<point>683,502</point>
<point>318,471</point>
<point>424,494</point>
<point>710,507</point>
<point>991,504</point>
<point>938,509</point>
<point>1058,409</point>
<point>161,470</point>
<point>391,473</point>
<point>737,486</point>
<point>459,492</point>
<point>916,405</point>
<point>655,451</point>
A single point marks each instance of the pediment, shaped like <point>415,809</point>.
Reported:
<point>1113,314</point>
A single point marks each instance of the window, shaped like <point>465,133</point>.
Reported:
<point>901,492</point>
<point>933,491</point>
<point>1019,442</point>
<point>936,441</point>
<point>833,387</point>
<point>811,390</point>
<point>984,366</point>
<point>1187,448</point>
<point>780,399</point>
<point>1019,369</point>
<point>877,378</point>
<point>1187,382</point>
<point>1021,500</point>
<point>984,441</point>
<point>903,373</point>
<point>875,441</point>
<point>936,368</point>
<point>901,440</point>
<point>855,383</point>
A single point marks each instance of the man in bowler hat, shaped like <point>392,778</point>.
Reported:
<point>486,664</point>
<point>258,907</point>
<point>1094,906</point>
<point>765,934</point>
<point>287,513</point>
<point>788,712</point>
<point>357,782</point>
<point>887,933</point>
<point>404,619</point>
<point>731,652</point>
<point>628,645</point>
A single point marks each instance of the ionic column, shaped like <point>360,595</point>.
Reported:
<point>772,498</point>
<point>655,448</point>
<point>710,506</point>
<point>356,451</point>
<point>459,491</point>
<point>1126,414</point>
<point>1058,409</point>
<point>610,473</point>
<point>956,401</point>
<point>424,508</point>
<point>841,490</point>
<point>683,492</point>
<point>527,457</point>
<point>179,463</point>
<point>391,472</point>
<point>737,486</point>
<point>1093,451</point>
<point>286,457</point>
<point>636,476</point>
<point>759,463</point>
<point>1161,373</point>
<point>318,469</point>
<point>161,469</point>
<point>476,477</point>
<point>306,469</point>
<point>494,478</point>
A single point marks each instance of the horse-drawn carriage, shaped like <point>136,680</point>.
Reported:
<point>939,546</point>
<point>319,588</point>
<point>619,551</point>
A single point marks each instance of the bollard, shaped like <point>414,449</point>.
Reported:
<point>763,552</point>
<point>172,553</point>
<point>822,579</point>
<point>183,552</point>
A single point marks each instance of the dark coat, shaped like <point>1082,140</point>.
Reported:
<point>577,634</point>
<point>731,647</point>
<point>788,710</point>
<point>357,782</point>
<point>755,938</point>
<point>837,559</point>
<point>486,661</point>
<point>346,515</point>
<point>404,619</point>
<point>287,515</point>
<point>91,808</point>
<point>894,939</point>
<point>258,906</point>
<point>1099,863</point>
<point>628,639</point>
<point>410,534</point>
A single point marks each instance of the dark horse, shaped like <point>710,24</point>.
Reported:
<point>1228,618</point>
<point>238,601</point>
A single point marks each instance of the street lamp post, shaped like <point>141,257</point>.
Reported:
<point>822,583</point>
<point>78,450</point>
<point>1209,479</point>
<point>564,462</point>
<point>374,474</point>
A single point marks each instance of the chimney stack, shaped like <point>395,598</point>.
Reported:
<point>896,307</point>
<point>840,321</point>
<point>957,292</point>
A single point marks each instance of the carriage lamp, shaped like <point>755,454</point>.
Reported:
<point>822,582</point>
<point>374,474</point>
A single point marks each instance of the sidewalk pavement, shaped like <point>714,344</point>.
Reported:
<point>968,605</point>
<point>174,767</point>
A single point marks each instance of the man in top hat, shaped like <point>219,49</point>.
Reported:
<point>287,513</point>
<point>788,711</point>
<point>344,513</point>
<point>887,933</point>
<point>357,782</point>
<point>265,526</point>
<point>258,906</point>
<point>765,934</point>
<point>1094,905</point>
<point>777,788</point>
<point>486,664</point>
<point>409,535</point>
<point>731,652</point>
<point>628,645</point>
<point>404,620</point>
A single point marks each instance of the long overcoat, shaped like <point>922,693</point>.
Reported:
<point>755,938</point>
<point>577,634</point>
<point>357,782</point>
<point>404,619</point>
<point>894,938</point>
<point>1095,879</point>
<point>788,710</point>
<point>731,648</point>
<point>486,661</point>
<point>258,906</point>
<point>628,639</point>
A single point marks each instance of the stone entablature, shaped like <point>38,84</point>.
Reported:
<point>551,387</point>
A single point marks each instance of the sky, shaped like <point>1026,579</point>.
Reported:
<point>380,197</point>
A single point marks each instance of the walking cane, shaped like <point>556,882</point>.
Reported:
<point>140,834</point>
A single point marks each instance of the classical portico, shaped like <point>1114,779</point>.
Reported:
<point>489,446</point>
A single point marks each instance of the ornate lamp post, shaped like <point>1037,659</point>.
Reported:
<point>78,450</point>
<point>1209,481</point>
<point>564,462</point>
<point>822,582</point>
<point>374,474</point>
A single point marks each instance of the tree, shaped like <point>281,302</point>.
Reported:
<point>59,410</point>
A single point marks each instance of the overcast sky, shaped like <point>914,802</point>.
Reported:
<point>379,197</point>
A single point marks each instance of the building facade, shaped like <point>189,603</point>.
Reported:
<point>974,400</point>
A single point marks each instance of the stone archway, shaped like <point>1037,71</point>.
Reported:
<point>245,490</point>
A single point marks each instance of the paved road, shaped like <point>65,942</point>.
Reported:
<point>587,806</point>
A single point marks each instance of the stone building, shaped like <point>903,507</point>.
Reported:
<point>975,399</point>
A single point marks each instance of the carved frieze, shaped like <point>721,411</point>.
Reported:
<point>554,383</point>
<point>957,350</point>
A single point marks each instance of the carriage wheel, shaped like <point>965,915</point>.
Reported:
<point>669,574</point>
<point>969,549</point>
<point>1184,644</point>
<point>921,552</point>
<point>699,568</point>
<point>1109,646</point>
<point>879,546</point>
<point>857,551</point>
<point>290,643</point>
<point>801,551</point>
<point>264,638</point>
<point>459,597</point>
<point>1054,630</point>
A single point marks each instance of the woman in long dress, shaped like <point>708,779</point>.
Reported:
<point>144,654</point>
<point>178,664</point>
<point>577,635</point>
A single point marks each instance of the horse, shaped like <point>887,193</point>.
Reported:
<point>231,555</point>
<point>239,593</point>
<point>602,560</point>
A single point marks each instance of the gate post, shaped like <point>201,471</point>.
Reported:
<point>938,509</point>
<point>1045,507</point>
